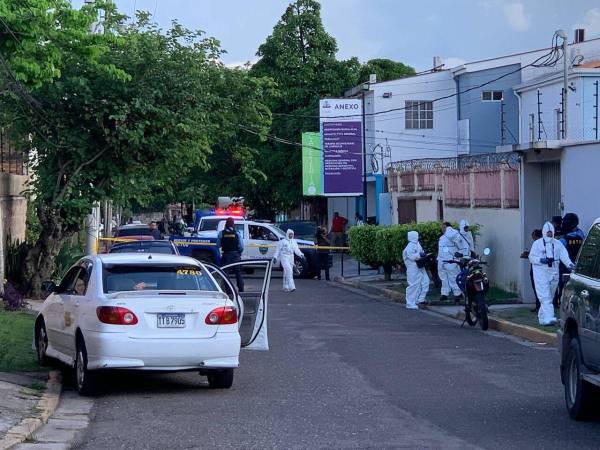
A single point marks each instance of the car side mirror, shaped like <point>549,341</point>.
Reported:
<point>49,287</point>
<point>566,277</point>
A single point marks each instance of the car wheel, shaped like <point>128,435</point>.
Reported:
<point>220,379</point>
<point>41,343</point>
<point>578,393</point>
<point>85,381</point>
<point>300,268</point>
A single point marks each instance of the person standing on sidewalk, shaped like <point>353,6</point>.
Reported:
<point>418,281</point>
<point>537,234</point>
<point>448,246</point>
<point>545,255</point>
<point>322,253</point>
<point>231,243</point>
<point>338,228</point>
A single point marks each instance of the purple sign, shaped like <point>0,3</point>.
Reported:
<point>342,158</point>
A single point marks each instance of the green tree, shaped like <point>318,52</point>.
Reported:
<point>122,125</point>
<point>385,69</point>
<point>300,57</point>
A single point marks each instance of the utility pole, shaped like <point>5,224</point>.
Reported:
<point>364,149</point>
<point>539,112</point>
<point>563,35</point>
<point>596,109</point>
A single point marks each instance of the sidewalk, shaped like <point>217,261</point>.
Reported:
<point>395,291</point>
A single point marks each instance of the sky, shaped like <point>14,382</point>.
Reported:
<point>406,31</point>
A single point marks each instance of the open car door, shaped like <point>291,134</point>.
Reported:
<point>252,301</point>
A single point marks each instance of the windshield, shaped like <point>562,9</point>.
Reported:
<point>138,277</point>
<point>210,224</point>
<point>134,231</point>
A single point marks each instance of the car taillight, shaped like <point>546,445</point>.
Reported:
<point>224,315</point>
<point>116,315</point>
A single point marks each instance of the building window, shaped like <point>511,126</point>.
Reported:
<point>419,114</point>
<point>492,96</point>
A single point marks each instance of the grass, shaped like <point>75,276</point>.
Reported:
<point>16,337</point>
<point>523,316</point>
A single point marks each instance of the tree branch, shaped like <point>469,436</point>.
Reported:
<point>79,168</point>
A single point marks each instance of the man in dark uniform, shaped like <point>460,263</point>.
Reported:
<point>231,243</point>
<point>572,238</point>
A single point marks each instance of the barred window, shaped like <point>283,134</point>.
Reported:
<point>418,114</point>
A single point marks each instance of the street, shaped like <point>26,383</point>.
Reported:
<point>346,370</point>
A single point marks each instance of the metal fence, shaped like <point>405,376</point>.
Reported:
<point>11,160</point>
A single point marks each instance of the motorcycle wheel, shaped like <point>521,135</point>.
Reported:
<point>479,300</point>
<point>470,315</point>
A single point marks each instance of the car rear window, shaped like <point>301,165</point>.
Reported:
<point>300,228</point>
<point>140,247</point>
<point>134,231</point>
<point>130,277</point>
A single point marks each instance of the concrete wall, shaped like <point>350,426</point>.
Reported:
<point>579,175</point>
<point>485,116</point>
<point>500,231</point>
<point>13,205</point>
<point>438,142</point>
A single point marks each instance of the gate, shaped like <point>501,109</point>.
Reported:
<point>551,194</point>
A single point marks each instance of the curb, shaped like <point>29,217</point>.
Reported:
<point>522,331</point>
<point>46,407</point>
<point>396,296</point>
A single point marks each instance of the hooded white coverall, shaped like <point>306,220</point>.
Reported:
<point>448,245</point>
<point>467,244</point>
<point>546,276</point>
<point>418,281</point>
<point>285,252</point>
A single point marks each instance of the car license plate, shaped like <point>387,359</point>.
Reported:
<point>170,321</point>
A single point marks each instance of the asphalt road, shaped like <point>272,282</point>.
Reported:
<point>347,370</point>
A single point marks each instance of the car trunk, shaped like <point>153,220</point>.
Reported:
<point>170,314</point>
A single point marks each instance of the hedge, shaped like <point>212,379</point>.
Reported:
<point>383,245</point>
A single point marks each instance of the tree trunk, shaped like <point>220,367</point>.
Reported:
<point>39,263</point>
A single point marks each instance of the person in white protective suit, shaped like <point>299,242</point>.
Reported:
<point>285,252</point>
<point>418,281</point>
<point>448,246</point>
<point>545,255</point>
<point>467,244</point>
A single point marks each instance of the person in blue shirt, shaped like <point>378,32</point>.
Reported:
<point>572,238</point>
<point>231,243</point>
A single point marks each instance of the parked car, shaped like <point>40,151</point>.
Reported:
<point>579,334</point>
<point>151,312</point>
<point>135,231</point>
<point>164,247</point>
<point>303,229</point>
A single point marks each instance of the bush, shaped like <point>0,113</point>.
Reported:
<point>13,299</point>
<point>383,245</point>
<point>69,254</point>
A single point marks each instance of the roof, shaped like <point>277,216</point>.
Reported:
<point>557,76</point>
<point>590,65</point>
<point>141,258</point>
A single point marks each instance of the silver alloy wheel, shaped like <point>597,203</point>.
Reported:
<point>80,371</point>
<point>298,267</point>
<point>573,381</point>
<point>42,343</point>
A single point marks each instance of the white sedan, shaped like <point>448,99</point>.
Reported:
<point>152,312</point>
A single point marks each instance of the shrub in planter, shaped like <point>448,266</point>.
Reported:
<point>361,241</point>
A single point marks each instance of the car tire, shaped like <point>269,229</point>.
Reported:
<point>220,379</point>
<point>301,267</point>
<point>579,394</point>
<point>41,343</point>
<point>482,310</point>
<point>85,380</point>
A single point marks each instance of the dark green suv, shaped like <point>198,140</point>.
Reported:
<point>579,334</point>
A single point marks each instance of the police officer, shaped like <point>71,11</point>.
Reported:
<point>231,244</point>
<point>572,238</point>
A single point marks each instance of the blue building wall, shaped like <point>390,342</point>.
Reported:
<point>485,116</point>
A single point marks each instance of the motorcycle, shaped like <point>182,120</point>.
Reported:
<point>474,283</point>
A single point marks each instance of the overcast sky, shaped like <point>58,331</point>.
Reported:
<point>406,31</point>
